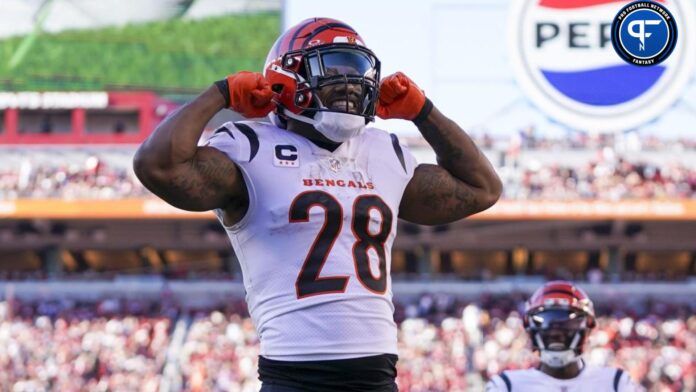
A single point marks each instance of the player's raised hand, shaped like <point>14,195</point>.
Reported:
<point>250,94</point>
<point>399,97</point>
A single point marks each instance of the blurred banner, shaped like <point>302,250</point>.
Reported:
<point>176,47</point>
<point>504,209</point>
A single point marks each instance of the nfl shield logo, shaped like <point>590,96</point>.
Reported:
<point>334,165</point>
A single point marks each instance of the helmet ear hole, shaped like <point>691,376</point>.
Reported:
<point>591,322</point>
<point>303,99</point>
<point>277,88</point>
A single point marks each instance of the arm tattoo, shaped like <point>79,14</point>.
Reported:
<point>441,141</point>
<point>443,193</point>
<point>462,183</point>
<point>205,184</point>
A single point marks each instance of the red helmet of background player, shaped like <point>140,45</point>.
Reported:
<point>315,53</point>
<point>558,318</point>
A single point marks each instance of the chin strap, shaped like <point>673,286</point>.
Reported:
<point>337,127</point>
<point>281,122</point>
<point>558,358</point>
<point>299,117</point>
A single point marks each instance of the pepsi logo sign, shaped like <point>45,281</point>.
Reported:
<point>564,60</point>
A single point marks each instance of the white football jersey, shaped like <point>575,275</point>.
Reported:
<point>590,379</point>
<point>315,244</point>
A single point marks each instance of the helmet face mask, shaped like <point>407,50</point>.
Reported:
<point>322,65</point>
<point>350,72</point>
<point>557,329</point>
<point>558,318</point>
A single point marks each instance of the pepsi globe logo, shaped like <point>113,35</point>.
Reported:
<point>564,60</point>
<point>644,33</point>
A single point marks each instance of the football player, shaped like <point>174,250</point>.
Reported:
<point>558,318</point>
<point>310,200</point>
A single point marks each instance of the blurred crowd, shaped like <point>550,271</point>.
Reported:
<point>64,346</point>
<point>610,179</point>
<point>598,179</point>
<point>445,344</point>
<point>529,138</point>
<point>91,179</point>
<point>221,351</point>
<point>607,169</point>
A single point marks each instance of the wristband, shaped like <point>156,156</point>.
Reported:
<point>424,112</point>
<point>224,88</point>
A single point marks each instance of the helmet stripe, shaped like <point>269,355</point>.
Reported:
<point>324,28</point>
<point>560,291</point>
<point>297,33</point>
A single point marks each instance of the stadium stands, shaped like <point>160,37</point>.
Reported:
<point>51,174</point>
<point>586,174</point>
<point>446,343</point>
<point>65,346</point>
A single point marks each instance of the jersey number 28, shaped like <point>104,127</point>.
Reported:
<point>308,282</point>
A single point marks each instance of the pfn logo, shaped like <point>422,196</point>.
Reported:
<point>644,33</point>
<point>640,32</point>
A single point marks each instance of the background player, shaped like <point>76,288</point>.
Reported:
<point>558,317</point>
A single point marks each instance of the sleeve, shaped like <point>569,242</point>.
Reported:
<point>240,143</point>
<point>624,383</point>
<point>404,155</point>
<point>496,384</point>
<point>230,140</point>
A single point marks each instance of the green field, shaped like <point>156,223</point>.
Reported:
<point>175,56</point>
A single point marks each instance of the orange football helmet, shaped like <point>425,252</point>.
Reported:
<point>558,318</point>
<point>315,53</point>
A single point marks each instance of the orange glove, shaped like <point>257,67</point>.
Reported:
<point>399,97</point>
<point>250,94</point>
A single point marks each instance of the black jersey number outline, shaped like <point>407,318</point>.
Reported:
<point>308,282</point>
